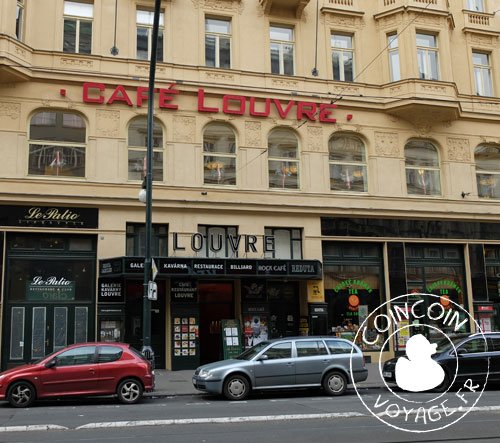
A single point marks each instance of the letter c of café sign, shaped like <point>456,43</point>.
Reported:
<point>228,104</point>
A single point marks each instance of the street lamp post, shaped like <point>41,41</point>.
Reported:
<point>147,350</point>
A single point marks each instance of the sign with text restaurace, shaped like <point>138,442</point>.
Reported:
<point>229,104</point>
<point>50,289</point>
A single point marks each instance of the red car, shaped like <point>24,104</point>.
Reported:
<point>82,369</point>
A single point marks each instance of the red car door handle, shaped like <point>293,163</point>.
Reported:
<point>92,371</point>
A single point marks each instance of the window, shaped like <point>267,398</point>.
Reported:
<point>137,149</point>
<point>108,354</point>
<point>281,350</point>
<point>342,57</point>
<point>219,155</point>
<point>287,243</point>
<point>78,27</point>
<point>218,43</point>
<point>475,5</point>
<point>394,65</point>
<point>310,348</point>
<point>482,74</point>
<point>145,33</point>
<point>83,355</point>
<point>427,54</point>
<point>422,168</point>
<point>216,242</point>
<point>19,19</point>
<point>57,148</point>
<point>283,154</point>
<point>339,347</point>
<point>136,240</point>
<point>487,160</point>
<point>281,50</point>
<point>347,161</point>
<point>473,346</point>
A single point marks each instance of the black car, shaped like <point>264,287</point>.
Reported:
<point>474,357</point>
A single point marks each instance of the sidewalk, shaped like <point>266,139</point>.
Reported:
<point>179,382</point>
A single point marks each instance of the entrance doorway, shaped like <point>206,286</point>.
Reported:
<point>216,303</point>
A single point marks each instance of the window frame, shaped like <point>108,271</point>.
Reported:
<point>424,168</point>
<point>483,69</point>
<point>132,239</point>
<point>160,56</point>
<point>78,19</point>
<point>391,50</point>
<point>341,51</point>
<point>270,230</point>
<point>144,149</point>
<point>476,6</point>
<point>281,44</point>
<point>218,36</point>
<point>205,231</point>
<point>428,60</point>
<point>44,143</point>
<point>295,160</point>
<point>20,11</point>
<point>94,360</point>
<point>363,165</point>
<point>491,172</point>
<point>216,154</point>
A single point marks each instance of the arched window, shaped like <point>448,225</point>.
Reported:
<point>57,144</point>
<point>283,154</point>
<point>488,171</point>
<point>137,149</point>
<point>347,158</point>
<point>219,155</point>
<point>422,168</point>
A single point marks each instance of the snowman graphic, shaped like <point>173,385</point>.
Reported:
<point>419,372</point>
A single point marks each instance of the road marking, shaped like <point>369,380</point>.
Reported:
<point>33,428</point>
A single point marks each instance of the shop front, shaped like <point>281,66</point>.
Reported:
<point>197,295</point>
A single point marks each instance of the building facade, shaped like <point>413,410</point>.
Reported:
<point>312,160</point>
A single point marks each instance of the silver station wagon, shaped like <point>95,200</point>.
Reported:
<point>286,363</point>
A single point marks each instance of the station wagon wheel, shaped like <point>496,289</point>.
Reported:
<point>335,383</point>
<point>129,391</point>
<point>445,384</point>
<point>21,394</point>
<point>236,387</point>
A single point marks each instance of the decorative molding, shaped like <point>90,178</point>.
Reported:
<point>77,62</point>
<point>144,69</point>
<point>386,144</point>
<point>10,110</point>
<point>433,88</point>
<point>422,129</point>
<point>458,149</point>
<point>20,52</point>
<point>315,138</point>
<point>220,5</point>
<point>294,7</point>
<point>253,134</point>
<point>346,90</point>
<point>292,84</point>
<point>219,76</point>
<point>184,128</point>
<point>108,123</point>
<point>395,89</point>
<point>489,106</point>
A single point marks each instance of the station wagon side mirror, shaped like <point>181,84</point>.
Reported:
<point>263,357</point>
<point>51,363</point>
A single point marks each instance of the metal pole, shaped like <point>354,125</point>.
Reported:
<point>147,350</point>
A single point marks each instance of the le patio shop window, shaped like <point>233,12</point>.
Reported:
<point>282,49</point>
<point>427,54</point>
<point>353,279</point>
<point>347,159</point>
<point>287,243</point>
<point>342,57</point>
<point>219,155</point>
<point>218,43</point>
<point>57,144</point>
<point>137,149</point>
<point>136,240</point>
<point>283,154</point>
<point>482,74</point>
<point>487,158</point>
<point>393,50</point>
<point>20,20</point>
<point>144,20</point>
<point>422,168</point>
<point>78,27</point>
<point>215,241</point>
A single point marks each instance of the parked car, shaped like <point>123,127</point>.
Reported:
<point>473,355</point>
<point>287,363</point>
<point>82,369</point>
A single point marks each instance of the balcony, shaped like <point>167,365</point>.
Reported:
<point>284,7</point>
<point>480,22</point>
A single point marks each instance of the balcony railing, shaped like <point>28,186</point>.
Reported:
<point>428,4</point>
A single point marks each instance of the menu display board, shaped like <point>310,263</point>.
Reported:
<point>231,338</point>
<point>185,336</point>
